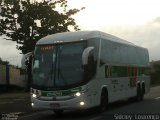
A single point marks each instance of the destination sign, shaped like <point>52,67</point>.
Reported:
<point>46,48</point>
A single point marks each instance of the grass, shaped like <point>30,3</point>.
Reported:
<point>155,81</point>
<point>10,88</point>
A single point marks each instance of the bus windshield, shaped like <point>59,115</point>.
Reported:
<point>58,66</point>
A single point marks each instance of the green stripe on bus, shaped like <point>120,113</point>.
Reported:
<point>60,92</point>
<point>125,71</point>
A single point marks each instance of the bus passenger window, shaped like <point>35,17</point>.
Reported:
<point>119,71</point>
<point>90,68</point>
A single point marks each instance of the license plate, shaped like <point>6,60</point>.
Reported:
<point>55,105</point>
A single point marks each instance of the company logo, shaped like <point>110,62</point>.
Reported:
<point>52,94</point>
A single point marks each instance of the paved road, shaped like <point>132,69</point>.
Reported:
<point>14,103</point>
<point>149,109</point>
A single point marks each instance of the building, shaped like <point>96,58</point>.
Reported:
<point>10,75</point>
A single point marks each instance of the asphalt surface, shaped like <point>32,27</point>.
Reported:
<point>17,106</point>
<point>15,103</point>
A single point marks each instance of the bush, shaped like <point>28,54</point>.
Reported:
<point>10,88</point>
<point>155,79</point>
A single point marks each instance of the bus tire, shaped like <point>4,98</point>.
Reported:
<point>58,112</point>
<point>140,94</point>
<point>143,90</point>
<point>103,100</point>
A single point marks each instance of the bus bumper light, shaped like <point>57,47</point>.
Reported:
<point>81,103</point>
<point>32,104</point>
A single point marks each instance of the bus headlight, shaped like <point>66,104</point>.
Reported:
<point>77,94</point>
<point>34,95</point>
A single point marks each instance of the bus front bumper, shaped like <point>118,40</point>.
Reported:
<point>74,103</point>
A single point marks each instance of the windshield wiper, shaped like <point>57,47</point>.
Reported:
<point>60,75</point>
<point>54,72</point>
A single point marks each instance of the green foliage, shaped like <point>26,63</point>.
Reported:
<point>3,62</point>
<point>26,21</point>
<point>155,73</point>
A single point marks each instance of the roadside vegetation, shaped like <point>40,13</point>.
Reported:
<point>27,21</point>
<point>10,89</point>
<point>155,73</point>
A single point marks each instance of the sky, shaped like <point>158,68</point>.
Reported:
<point>137,21</point>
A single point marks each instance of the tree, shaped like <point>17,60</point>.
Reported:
<point>3,62</point>
<point>26,21</point>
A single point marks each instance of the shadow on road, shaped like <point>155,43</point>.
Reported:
<point>79,114</point>
<point>73,114</point>
<point>113,108</point>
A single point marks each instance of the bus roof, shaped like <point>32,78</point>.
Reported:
<point>79,36</point>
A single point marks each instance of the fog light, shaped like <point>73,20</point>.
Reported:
<point>81,103</point>
<point>32,104</point>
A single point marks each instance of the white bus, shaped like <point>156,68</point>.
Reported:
<point>85,69</point>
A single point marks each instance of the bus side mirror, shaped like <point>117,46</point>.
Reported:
<point>85,55</point>
<point>23,61</point>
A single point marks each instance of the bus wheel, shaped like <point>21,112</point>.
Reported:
<point>58,112</point>
<point>104,101</point>
<point>140,93</point>
<point>143,91</point>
